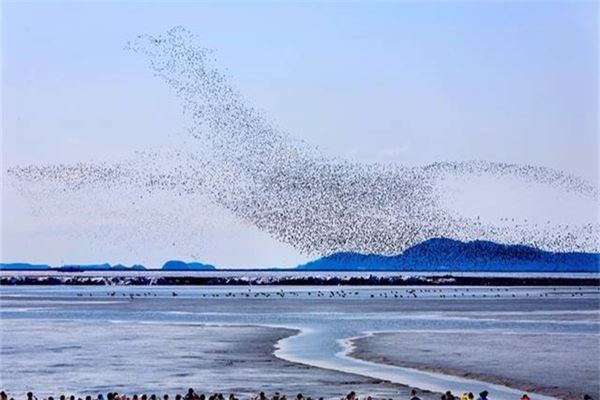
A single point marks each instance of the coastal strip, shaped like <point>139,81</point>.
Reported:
<point>290,279</point>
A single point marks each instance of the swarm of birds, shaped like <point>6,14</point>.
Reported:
<point>257,172</point>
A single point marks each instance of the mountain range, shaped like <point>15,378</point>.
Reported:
<point>441,254</point>
<point>433,255</point>
<point>173,265</point>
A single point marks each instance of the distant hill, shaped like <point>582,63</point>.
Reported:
<point>173,265</point>
<point>100,267</point>
<point>441,254</point>
<point>23,267</point>
<point>176,265</point>
<point>69,268</point>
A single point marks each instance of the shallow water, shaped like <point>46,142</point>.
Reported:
<point>514,359</point>
<point>325,315</point>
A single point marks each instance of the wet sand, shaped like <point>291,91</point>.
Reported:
<point>164,343</point>
<point>237,359</point>
<point>559,365</point>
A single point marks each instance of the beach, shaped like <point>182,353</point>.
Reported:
<point>136,339</point>
<point>132,358</point>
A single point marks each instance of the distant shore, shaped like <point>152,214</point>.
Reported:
<point>294,278</point>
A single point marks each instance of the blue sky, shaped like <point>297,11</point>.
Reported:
<point>391,82</point>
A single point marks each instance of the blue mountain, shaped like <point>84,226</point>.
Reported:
<point>441,254</point>
<point>23,267</point>
<point>176,265</point>
<point>173,265</point>
<point>100,267</point>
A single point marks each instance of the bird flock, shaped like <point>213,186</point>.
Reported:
<point>409,293</point>
<point>319,204</point>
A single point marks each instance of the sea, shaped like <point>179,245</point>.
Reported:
<point>93,338</point>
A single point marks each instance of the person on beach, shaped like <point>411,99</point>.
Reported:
<point>30,396</point>
<point>413,395</point>
<point>525,397</point>
<point>3,395</point>
<point>191,395</point>
<point>261,396</point>
<point>450,396</point>
<point>483,395</point>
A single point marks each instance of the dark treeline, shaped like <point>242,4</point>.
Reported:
<point>368,280</point>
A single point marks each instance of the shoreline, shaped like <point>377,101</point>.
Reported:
<point>322,278</point>
<point>432,383</point>
<point>278,350</point>
<point>313,380</point>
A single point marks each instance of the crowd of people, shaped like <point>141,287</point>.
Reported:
<point>192,395</point>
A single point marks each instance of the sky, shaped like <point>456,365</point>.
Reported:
<point>388,82</point>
